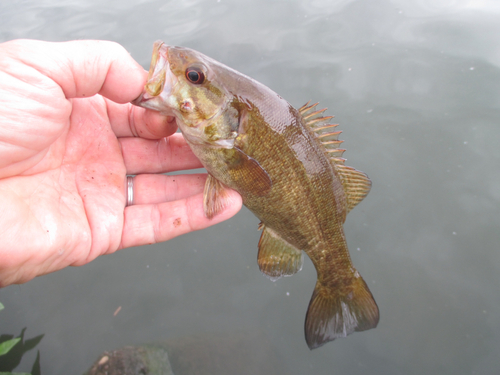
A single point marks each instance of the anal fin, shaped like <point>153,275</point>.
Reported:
<point>214,197</point>
<point>277,257</point>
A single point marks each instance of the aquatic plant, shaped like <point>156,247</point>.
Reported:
<point>12,350</point>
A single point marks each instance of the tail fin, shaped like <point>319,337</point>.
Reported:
<point>331,314</point>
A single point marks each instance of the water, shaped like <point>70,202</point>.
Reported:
<point>416,89</point>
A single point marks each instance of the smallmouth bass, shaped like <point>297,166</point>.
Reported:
<point>287,166</point>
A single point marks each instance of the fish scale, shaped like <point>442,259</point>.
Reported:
<point>287,166</point>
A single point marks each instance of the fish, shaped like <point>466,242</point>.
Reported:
<point>287,165</point>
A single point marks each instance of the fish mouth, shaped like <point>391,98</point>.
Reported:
<point>160,81</point>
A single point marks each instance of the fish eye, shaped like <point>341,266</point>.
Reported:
<point>195,75</point>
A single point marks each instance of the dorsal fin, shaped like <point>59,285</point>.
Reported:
<point>356,184</point>
<point>324,131</point>
<point>312,117</point>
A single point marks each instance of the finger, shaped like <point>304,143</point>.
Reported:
<point>86,67</point>
<point>151,189</point>
<point>128,120</point>
<point>148,224</point>
<point>158,156</point>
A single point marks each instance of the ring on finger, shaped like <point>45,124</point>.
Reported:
<point>130,190</point>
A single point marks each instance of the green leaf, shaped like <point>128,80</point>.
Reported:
<point>1,306</point>
<point>14,373</point>
<point>7,345</point>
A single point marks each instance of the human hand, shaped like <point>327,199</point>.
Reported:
<point>68,138</point>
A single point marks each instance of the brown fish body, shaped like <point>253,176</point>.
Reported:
<point>285,163</point>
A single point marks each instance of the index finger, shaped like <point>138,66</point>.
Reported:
<point>128,120</point>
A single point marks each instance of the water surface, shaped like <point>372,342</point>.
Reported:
<point>415,87</point>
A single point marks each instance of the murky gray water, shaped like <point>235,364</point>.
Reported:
<point>415,86</point>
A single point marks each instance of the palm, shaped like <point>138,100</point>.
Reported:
<point>63,164</point>
<point>70,196</point>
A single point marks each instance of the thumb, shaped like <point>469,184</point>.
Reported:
<point>85,68</point>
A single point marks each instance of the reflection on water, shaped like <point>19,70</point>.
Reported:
<point>243,353</point>
<point>415,88</point>
<point>13,348</point>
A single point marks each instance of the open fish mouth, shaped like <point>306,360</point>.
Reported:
<point>160,81</point>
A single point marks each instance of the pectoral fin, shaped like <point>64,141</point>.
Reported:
<point>246,173</point>
<point>214,197</point>
<point>277,257</point>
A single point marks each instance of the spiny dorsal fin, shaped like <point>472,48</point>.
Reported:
<point>327,137</point>
<point>324,131</point>
<point>313,123</point>
<point>356,185</point>
<point>306,107</point>
<point>312,117</point>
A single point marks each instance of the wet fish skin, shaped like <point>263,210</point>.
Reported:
<point>287,166</point>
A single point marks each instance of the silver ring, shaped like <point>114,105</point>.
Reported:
<point>130,190</point>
